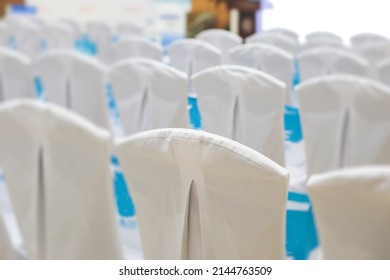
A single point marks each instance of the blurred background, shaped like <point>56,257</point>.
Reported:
<point>182,17</point>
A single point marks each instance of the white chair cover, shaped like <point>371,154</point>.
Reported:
<point>383,70</point>
<point>74,25</point>
<point>4,36</point>
<point>149,95</point>
<point>88,82</point>
<point>278,40</point>
<point>5,242</point>
<point>323,35</point>
<point>362,39</point>
<point>60,36</point>
<point>74,81</point>
<point>285,32</point>
<point>100,34</point>
<point>28,37</point>
<point>136,47</point>
<point>321,43</point>
<point>329,61</point>
<point>192,56</point>
<point>352,211</point>
<point>222,39</point>
<point>56,166</point>
<point>337,115</point>
<point>129,28</point>
<point>214,198</point>
<point>15,75</point>
<point>267,58</point>
<point>374,52</point>
<point>245,105</point>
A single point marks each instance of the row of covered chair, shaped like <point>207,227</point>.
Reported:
<point>234,101</point>
<point>57,172</point>
<point>215,198</point>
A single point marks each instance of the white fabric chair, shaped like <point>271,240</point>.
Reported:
<point>192,56</point>
<point>352,211</point>
<point>267,58</point>
<point>329,61</point>
<point>278,40</point>
<point>15,75</point>
<point>100,34</point>
<point>383,70</point>
<point>362,39</point>
<point>245,105</point>
<point>129,28</point>
<point>323,35</point>
<point>208,193</point>
<point>285,32</point>
<point>222,39</point>
<point>74,25</point>
<point>321,43</point>
<point>56,167</point>
<point>28,37</point>
<point>5,242</point>
<point>60,36</point>
<point>344,122</point>
<point>136,47</point>
<point>149,95</point>
<point>4,36</point>
<point>374,52</point>
<point>74,81</point>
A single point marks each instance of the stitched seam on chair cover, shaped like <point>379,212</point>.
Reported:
<point>41,206</point>
<point>193,194</point>
<point>344,139</point>
<point>225,148</point>
<point>1,89</point>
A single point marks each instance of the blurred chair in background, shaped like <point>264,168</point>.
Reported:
<point>352,211</point>
<point>338,114</point>
<point>136,47</point>
<point>15,76</point>
<point>330,61</point>
<point>268,59</point>
<point>149,95</point>
<point>244,105</point>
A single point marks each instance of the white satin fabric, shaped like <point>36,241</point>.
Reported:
<point>202,196</point>
<point>268,59</point>
<point>245,105</point>
<point>330,61</point>
<point>149,95</point>
<point>338,114</point>
<point>136,47</point>
<point>15,76</point>
<point>56,167</point>
<point>192,55</point>
<point>352,212</point>
<point>74,81</point>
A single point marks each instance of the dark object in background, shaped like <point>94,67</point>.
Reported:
<point>247,15</point>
